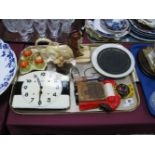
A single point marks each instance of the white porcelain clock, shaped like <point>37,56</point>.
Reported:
<point>42,90</point>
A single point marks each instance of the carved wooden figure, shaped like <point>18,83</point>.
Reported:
<point>74,43</point>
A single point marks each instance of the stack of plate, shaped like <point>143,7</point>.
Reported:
<point>142,30</point>
<point>107,29</point>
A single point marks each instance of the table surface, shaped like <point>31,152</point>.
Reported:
<point>137,122</point>
<point>3,110</point>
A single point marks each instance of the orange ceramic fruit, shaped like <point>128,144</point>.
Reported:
<point>24,63</point>
<point>38,60</point>
<point>27,52</point>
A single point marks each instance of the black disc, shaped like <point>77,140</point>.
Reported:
<point>114,61</point>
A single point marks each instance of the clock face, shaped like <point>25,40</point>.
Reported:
<point>43,89</point>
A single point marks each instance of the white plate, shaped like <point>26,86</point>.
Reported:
<point>101,71</point>
<point>8,66</point>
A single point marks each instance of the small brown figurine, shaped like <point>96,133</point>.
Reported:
<point>74,43</point>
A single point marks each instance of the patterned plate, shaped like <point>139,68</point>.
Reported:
<point>8,66</point>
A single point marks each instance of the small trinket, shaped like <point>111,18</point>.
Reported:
<point>123,90</point>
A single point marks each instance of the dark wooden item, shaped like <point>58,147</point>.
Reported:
<point>73,42</point>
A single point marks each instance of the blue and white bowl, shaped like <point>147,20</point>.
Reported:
<point>8,66</point>
<point>109,33</point>
<point>115,25</point>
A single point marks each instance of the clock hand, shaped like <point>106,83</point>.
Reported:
<point>40,91</point>
<point>38,80</point>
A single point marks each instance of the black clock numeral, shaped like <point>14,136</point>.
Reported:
<point>26,94</point>
<point>54,94</point>
<point>48,99</point>
<point>43,74</point>
<point>32,99</point>
<point>29,81</point>
<point>25,87</point>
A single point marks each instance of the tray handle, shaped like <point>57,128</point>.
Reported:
<point>50,42</point>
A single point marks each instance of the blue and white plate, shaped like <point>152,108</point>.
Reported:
<point>8,66</point>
